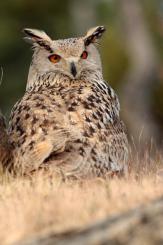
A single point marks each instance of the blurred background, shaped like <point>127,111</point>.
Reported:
<point>131,50</point>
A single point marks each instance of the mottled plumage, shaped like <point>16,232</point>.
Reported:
<point>68,119</point>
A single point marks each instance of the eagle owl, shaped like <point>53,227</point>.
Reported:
<point>68,119</point>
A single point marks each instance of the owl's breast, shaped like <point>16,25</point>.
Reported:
<point>89,108</point>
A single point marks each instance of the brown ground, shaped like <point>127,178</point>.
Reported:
<point>38,204</point>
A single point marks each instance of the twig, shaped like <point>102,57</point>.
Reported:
<point>1,76</point>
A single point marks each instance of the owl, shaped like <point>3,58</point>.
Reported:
<point>5,148</point>
<point>68,119</point>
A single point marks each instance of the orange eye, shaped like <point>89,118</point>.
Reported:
<point>84,55</point>
<point>54,58</point>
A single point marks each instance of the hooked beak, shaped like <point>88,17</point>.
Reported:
<point>73,69</point>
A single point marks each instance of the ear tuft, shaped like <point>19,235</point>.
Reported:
<point>93,34</point>
<point>37,37</point>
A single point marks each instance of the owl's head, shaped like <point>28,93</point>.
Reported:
<point>70,57</point>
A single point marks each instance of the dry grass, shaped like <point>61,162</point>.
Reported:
<point>40,203</point>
